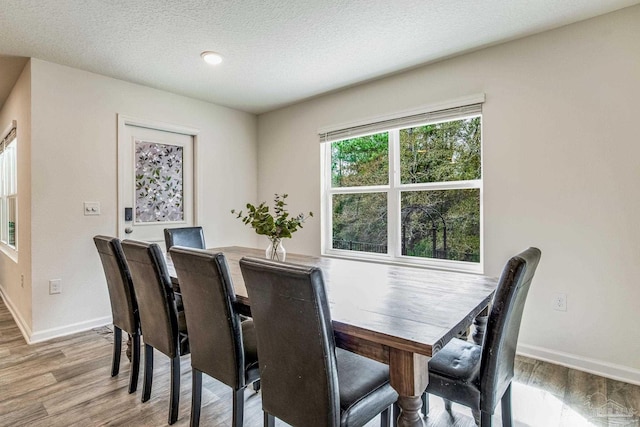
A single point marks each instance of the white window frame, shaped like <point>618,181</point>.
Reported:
<point>9,174</point>
<point>393,191</point>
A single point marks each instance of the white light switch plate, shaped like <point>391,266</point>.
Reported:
<point>92,208</point>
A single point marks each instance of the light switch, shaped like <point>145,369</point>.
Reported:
<point>92,208</point>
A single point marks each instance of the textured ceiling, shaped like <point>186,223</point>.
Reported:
<point>276,52</point>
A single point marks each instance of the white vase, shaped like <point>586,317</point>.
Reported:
<point>275,251</point>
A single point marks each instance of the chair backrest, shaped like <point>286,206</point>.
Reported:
<point>124,306</point>
<point>215,332</point>
<point>295,340</point>
<point>190,237</point>
<point>503,327</point>
<point>156,301</point>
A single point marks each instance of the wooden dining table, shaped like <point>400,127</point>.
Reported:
<point>398,315</point>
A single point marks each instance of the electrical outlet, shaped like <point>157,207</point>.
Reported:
<point>559,302</point>
<point>22,280</point>
<point>55,286</point>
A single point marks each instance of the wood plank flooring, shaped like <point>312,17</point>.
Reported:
<point>67,382</point>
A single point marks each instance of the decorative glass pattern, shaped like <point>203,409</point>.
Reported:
<point>159,181</point>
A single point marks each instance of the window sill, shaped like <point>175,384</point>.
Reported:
<point>9,251</point>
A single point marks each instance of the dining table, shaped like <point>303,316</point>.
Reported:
<point>399,315</point>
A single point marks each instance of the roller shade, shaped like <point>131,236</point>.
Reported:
<point>401,122</point>
<point>7,139</point>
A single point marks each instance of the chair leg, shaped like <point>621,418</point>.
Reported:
<point>256,386</point>
<point>175,389</point>
<point>447,405</point>
<point>485,419</point>
<point>269,420</point>
<point>196,396</point>
<point>117,349</point>
<point>148,372</point>
<point>238,407</point>
<point>135,363</point>
<point>476,416</point>
<point>507,419</point>
<point>425,404</point>
<point>385,417</point>
<point>396,413</point>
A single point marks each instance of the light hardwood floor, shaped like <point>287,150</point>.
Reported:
<point>67,382</point>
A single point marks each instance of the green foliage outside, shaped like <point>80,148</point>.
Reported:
<point>448,151</point>
<point>425,214</point>
<point>360,221</point>
<point>360,161</point>
<point>435,223</point>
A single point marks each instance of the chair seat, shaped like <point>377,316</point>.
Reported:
<point>183,335</point>
<point>480,377</point>
<point>307,381</point>
<point>454,373</point>
<point>223,347</point>
<point>251,368</point>
<point>124,306</point>
<point>163,326</point>
<point>364,388</point>
<point>458,359</point>
<point>182,322</point>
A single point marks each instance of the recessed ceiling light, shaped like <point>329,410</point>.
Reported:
<point>212,58</point>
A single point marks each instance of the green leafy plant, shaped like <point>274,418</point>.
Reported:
<point>278,226</point>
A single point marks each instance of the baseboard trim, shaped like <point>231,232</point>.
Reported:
<point>592,366</point>
<point>31,338</point>
<point>73,328</point>
<point>25,330</point>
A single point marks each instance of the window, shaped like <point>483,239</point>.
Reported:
<point>8,189</point>
<point>406,189</point>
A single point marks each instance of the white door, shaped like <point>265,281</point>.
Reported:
<point>156,182</point>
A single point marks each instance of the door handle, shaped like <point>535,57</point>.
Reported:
<point>128,230</point>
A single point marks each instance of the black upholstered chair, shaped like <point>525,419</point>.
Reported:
<point>480,376</point>
<point>163,327</point>
<point>221,345</point>
<point>191,237</point>
<point>306,380</point>
<point>124,307</point>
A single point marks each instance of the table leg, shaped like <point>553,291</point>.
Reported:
<point>480,323</point>
<point>409,376</point>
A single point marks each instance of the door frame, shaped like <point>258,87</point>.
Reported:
<point>123,121</point>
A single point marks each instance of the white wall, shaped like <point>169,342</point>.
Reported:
<point>74,141</point>
<point>561,161</point>
<point>17,293</point>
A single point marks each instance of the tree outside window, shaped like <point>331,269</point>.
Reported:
<point>428,209</point>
